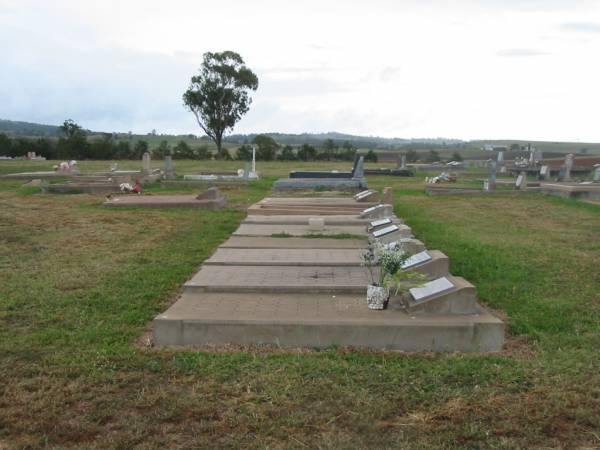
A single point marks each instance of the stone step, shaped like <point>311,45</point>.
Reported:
<point>319,321</point>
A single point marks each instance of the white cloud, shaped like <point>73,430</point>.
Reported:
<point>407,69</point>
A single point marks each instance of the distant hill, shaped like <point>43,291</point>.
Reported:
<point>28,129</point>
<point>317,139</point>
<point>470,149</point>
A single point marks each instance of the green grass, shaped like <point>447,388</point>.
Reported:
<point>80,285</point>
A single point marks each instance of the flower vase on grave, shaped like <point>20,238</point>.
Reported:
<point>377,296</point>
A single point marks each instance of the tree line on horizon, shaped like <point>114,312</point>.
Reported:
<point>75,144</point>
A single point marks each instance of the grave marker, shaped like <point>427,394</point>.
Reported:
<point>377,212</point>
<point>597,174</point>
<point>388,196</point>
<point>431,288</point>
<point>569,159</point>
<point>146,163</point>
<point>169,172</point>
<point>380,222</point>
<point>521,181</point>
<point>385,231</point>
<point>416,259</point>
<point>544,172</point>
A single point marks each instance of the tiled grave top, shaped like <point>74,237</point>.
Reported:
<point>431,288</point>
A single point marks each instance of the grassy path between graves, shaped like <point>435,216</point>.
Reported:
<point>79,284</point>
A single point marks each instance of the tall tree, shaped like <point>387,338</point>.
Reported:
<point>219,96</point>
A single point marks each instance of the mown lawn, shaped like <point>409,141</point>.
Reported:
<point>79,285</point>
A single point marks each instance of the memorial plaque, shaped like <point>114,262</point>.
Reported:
<point>416,259</point>
<point>362,194</point>
<point>385,231</point>
<point>372,209</point>
<point>380,222</point>
<point>519,182</point>
<point>430,289</point>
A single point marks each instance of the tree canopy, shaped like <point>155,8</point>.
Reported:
<point>219,95</point>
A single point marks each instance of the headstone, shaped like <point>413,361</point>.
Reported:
<point>416,259</point>
<point>431,288</point>
<point>500,159</point>
<point>388,196</point>
<point>316,223</point>
<point>146,163</point>
<point>377,212</point>
<point>532,157</point>
<point>379,223</point>
<point>544,172</point>
<point>365,196</point>
<point>597,174</point>
<point>247,171</point>
<point>169,172</point>
<point>359,170</point>
<point>385,231</point>
<point>521,180</point>
<point>403,161</point>
<point>491,184</point>
<point>569,159</point>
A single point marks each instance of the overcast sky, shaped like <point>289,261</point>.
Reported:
<point>462,69</point>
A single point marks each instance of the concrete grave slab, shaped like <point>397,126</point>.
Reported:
<point>279,279</point>
<point>297,230</point>
<point>303,219</point>
<point>286,257</point>
<point>249,242</point>
<point>164,201</point>
<point>319,321</point>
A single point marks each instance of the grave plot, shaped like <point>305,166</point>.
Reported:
<point>298,230</point>
<point>210,199</point>
<point>311,292</point>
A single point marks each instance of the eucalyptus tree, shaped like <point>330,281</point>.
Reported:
<point>220,94</point>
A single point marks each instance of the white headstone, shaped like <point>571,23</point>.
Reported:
<point>544,172</point>
<point>416,259</point>
<point>431,288</point>
<point>377,212</point>
<point>380,222</point>
<point>385,231</point>
<point>146,163</point>
<point>597,174</point>
<point>520,181</point>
